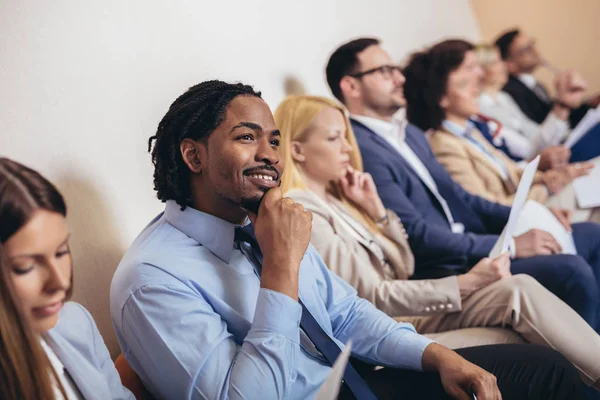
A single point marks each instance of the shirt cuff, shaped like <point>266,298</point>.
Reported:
<point>414,354</point>
<point>277,313</point>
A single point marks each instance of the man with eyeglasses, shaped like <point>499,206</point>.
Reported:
<point>519,52</point>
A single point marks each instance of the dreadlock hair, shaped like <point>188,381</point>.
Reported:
<point>194,115</point>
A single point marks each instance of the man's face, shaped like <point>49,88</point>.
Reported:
<point>241,161</point>
<point>382,90</point>
<point>523,56</point>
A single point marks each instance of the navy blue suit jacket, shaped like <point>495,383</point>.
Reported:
<point>401,190</point>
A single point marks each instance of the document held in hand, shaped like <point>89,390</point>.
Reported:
<point>537,216</point>
<point>591,119</point>
<point>507,234</point>
<point>587,188</point>
<point>331,387</point>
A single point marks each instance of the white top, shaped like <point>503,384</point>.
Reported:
<point>395,133</point>
<point>524,138</point>
<point>67,383</point>
<point>528,80</point>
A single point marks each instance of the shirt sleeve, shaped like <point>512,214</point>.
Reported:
<point>188,352</point>
<point>376,338</point>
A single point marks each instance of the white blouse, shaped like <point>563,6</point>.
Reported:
<point>524,138</point>
<point>67,383</point>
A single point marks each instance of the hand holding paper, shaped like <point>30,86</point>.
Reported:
<point>331,387</point>
<point>507,234</point>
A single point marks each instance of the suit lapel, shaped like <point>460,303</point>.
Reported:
<point>413,143</point>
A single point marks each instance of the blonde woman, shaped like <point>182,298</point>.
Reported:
<point>366,245</point>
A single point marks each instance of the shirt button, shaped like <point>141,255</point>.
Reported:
<point>442,306</point>
<point>449,306</point>
<point>427,309</point>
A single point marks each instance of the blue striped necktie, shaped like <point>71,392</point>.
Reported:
<point>327,346</point>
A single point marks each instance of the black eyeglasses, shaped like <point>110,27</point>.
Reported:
<point>386,70</point>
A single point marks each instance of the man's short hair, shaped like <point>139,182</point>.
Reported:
<point>504,41</point>
<point>194,115</point>
<point>344,61</point>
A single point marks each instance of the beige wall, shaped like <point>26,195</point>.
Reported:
<point>567,32</point>
<point>85,83</point>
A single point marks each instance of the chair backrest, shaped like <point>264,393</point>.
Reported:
<point>130,379</point>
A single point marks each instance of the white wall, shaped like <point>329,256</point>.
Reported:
<point>83,85</point>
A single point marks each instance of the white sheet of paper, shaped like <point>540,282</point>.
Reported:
<point>537,216</point>
<point>507,234</point>
<point>331,387</point>
<point>591,119</point>
<point>587,188</point>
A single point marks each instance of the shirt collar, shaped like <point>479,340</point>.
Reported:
<point>528,80</point>
<point>385,128</point>
<point>458,130</point>
<point>210,231</point>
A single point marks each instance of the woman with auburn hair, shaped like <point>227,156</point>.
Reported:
<point>442,89</point>
<point>366,245</point>
<point>63,351</point>
<point>25,372</point>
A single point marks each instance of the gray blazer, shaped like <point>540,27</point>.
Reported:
<point>354,259</point>
<point>79,346</point>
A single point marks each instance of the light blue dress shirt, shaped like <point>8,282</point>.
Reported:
<point>194,323</point>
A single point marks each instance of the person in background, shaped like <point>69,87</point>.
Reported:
<point>366,245</point>
<point>524,138</point>
<point>522,59</point>
<point>447,109</point>
<point>64,344</point>
<point>221,296</point>
<point>449,229</point>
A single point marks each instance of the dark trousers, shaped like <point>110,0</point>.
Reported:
<point>523,372</point>
<point>574,279</point>
<point>587,147</point>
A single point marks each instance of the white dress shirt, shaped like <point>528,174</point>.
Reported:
<point>67,383</point>
<point>532,83</point>
<point>524,138</point>
<point>395,133</point>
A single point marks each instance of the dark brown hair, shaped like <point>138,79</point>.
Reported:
<point>504,42</point>
<point>427,75</point>
<point>344,61</point>
<point>22,192</point>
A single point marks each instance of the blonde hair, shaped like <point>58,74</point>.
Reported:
<point>293,117</point>
<point>486,53</point>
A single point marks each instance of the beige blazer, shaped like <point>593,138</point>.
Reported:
<point>476,173</point>
<point>355,255</point>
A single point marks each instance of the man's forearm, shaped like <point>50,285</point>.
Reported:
<point>435,355</point>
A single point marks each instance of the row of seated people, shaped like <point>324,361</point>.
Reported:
<point>221,295</point>
<point>464,145</point>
